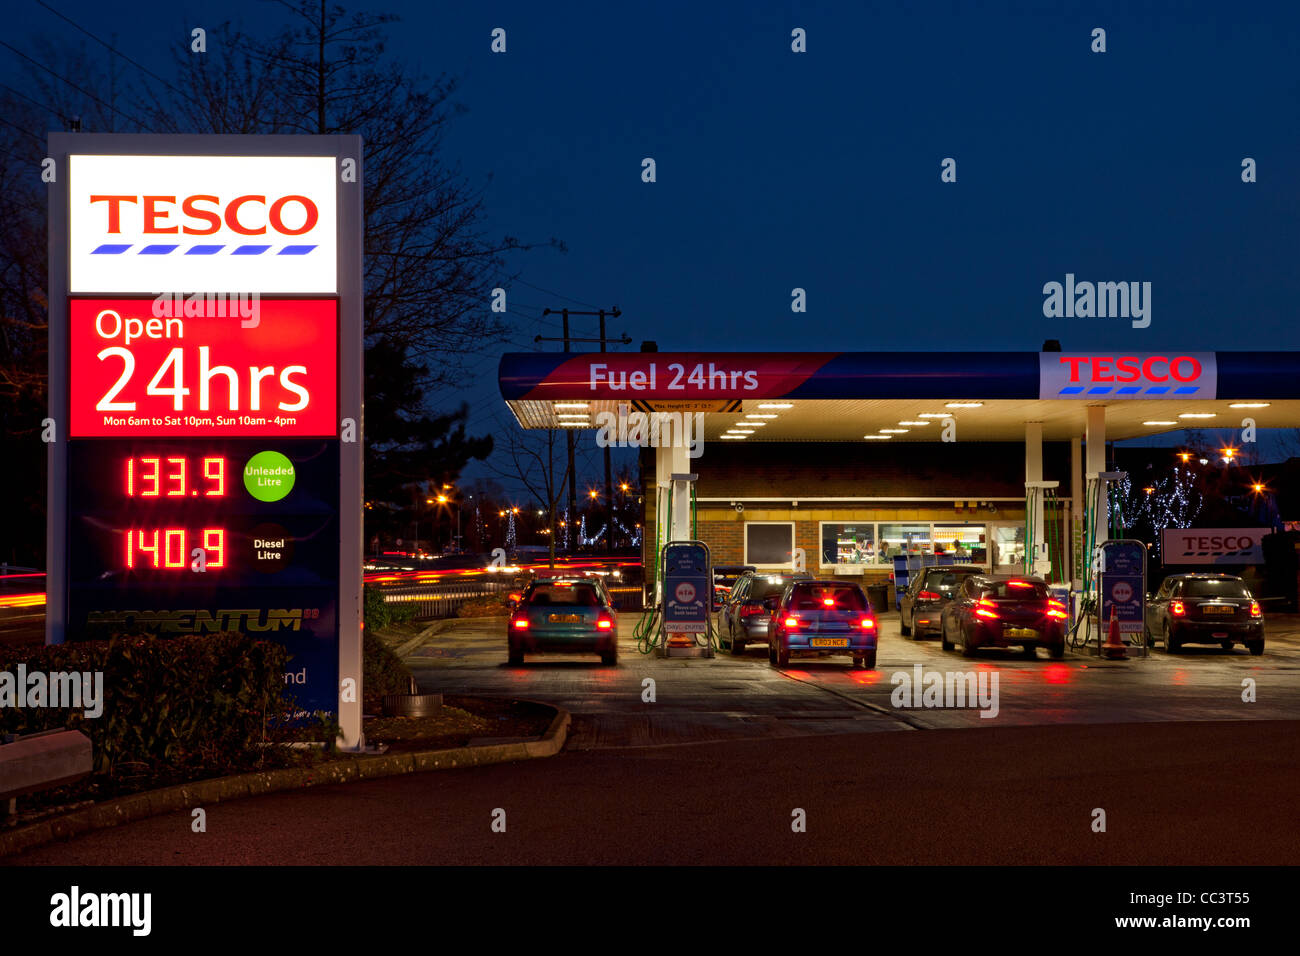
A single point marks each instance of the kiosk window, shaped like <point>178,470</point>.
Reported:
<point>769,543</point>
<point>848,543</point>
<point>896,539</point>
<point>965,543</point>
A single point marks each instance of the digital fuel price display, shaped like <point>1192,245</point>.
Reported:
<point>195,536</point>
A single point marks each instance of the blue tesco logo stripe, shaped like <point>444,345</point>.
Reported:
<point>1130,390</point>
<point>163,249</point>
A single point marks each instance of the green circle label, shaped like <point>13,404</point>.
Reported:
<point>269,476</point>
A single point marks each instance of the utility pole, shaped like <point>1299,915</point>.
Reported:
<point>573,478</point>
<point>609,485</point>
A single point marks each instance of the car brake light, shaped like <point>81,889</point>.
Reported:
<point>1020,584</point>
<point>604,623</point>
<point>1254,609</point>
<point>520,622</point>
<point>986,608</point>
<point>927,596</point>
<point>1176,607</point>
<point>868,622</point>
<point>829,602</point>
<point>749,609</point>
<point>792,621</point>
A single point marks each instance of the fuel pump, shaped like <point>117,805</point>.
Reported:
<point>679,620</point>
<point>1038,559</point>
<point>1097,494</point>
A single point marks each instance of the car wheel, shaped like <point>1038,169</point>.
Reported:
<point>1255,647</point>
<point>516,655</point>
<point>966,649</point>
<point>1030,651</point>
<point>1171,646</point>
<point>782,657</point>
<point>610,657</point>
<point>943,638</point>
<point>771,653</point>
<point>1057,651</point>
<point>904,628</point>
<point>1226,645</point>
<point>737,647</point>
<point>866,661</point>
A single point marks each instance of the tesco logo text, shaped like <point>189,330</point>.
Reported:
<point>1217,543</point>
<point>1154,368</point>
<point>204,215</point>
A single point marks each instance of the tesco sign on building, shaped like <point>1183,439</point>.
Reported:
<point>156,224</point>
<point>1212,545</point>
<point>1177,375</point>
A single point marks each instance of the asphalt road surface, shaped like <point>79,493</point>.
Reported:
<point>717,767</point>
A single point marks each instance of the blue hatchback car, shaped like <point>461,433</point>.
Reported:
<point>563,616</point>
<point>822,618</point>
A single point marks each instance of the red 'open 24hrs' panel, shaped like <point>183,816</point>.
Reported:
<point>143,368</point>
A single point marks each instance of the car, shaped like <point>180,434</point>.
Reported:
<point>1205,609</point>
<point>1004,610</point>
<point>925,598</point>
<point>745,616</point>
<point>563,615</point>
<point>821,618</point>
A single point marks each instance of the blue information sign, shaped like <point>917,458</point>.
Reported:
<point>687,587</point>
<point>1123,584</point>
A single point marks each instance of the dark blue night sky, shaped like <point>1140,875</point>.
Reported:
<point>822,170</point>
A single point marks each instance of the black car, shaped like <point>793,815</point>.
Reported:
<point>745,617</point>
<point>925,598</point>
<point>1205,609</point>
<point>1004,610</point>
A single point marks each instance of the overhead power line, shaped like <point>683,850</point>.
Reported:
<point>108,46</point>
<point>84,92</point>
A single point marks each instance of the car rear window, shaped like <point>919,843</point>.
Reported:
<point>1025,590</point>
<point>811,597</point>
<point>768,584</point>
<point>944,579</point>
<point>574,595</point>
<point>1216,588</point>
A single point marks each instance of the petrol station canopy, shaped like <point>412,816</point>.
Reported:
<point>845,396</point>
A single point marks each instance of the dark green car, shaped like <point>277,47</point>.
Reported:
<point>566,616</point>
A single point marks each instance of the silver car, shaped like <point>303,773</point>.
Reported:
<point>744,616</point>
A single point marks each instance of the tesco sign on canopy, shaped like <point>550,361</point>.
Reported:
<point>1168,375</point>
<point>153,224</point>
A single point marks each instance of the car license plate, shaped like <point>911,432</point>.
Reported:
<point>565,618</point>
<point>830,642</point>
<point>1219,609</point>
<point>1020,632</point>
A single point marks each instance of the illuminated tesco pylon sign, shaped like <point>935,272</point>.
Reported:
<point>1133,375</point>
<point>209,223</point>
<point>205,383</point>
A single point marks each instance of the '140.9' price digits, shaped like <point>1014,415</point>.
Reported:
<point>168,548</point>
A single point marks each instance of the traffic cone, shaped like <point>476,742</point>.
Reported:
<point>1113,649</point>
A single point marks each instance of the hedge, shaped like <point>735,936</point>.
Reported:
<point>169,703</point>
